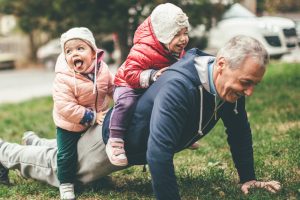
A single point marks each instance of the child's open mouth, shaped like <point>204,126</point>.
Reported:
<point>78,63</point>
<point>180,46</point>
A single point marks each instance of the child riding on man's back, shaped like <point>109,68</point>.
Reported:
<point>158,43</point>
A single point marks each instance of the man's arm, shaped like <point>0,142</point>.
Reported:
<point>168,118</point>
<point>240,140</point>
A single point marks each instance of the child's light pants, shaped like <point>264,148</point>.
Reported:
<point>39,162</point>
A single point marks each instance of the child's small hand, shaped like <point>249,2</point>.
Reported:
<point>100,116</point>
<point>159,73</point>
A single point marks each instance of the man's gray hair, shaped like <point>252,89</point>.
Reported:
<point>237,49</point>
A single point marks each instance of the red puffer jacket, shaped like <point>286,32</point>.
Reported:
<point>146,53</point>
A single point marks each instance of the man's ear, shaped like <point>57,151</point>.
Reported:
<point>220,64</point>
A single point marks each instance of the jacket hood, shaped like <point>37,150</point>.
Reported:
<point>61,65</point>
<point>184,67</point>
<point>145,35</point>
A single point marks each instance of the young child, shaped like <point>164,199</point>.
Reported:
<point>82,89</point>
<point>158,43</point>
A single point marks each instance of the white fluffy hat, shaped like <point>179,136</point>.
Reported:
<point>78,33</point>
<point>167,20</point>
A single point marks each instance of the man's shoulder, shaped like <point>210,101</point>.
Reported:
<point>196,52</point>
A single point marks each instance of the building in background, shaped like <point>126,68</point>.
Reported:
<point>7,24</point>
<point>250,5</point>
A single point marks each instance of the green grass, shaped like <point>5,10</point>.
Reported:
<point>208,173</point>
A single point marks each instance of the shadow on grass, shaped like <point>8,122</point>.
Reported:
<point>213,183</point>
<point>119,187</point>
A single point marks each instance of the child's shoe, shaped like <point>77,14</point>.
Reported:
<point>115,151</point>
<point>66,191</point>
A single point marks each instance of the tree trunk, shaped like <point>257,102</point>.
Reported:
<point>33,47</point>
<point>123,43</point>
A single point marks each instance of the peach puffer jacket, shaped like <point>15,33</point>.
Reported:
<point>73,94</point>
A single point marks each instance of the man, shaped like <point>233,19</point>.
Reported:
<point>182,106</point>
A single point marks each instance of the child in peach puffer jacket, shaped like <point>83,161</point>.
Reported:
<point>83,87</point>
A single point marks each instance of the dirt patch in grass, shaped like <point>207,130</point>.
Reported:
<point>286,126</point>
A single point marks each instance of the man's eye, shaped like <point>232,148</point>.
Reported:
<point>246,83</point>
<point>80,48</point>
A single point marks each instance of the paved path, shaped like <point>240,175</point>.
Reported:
<point>20,85</point>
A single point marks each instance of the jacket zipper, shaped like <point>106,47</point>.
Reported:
<point>212,116</point>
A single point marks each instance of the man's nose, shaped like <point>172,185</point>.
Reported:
<point>249,91</point>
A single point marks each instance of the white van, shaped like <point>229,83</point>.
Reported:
<point>277,34</point>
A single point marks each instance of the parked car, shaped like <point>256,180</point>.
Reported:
<point>48,53</point>
<point>7,61</point>
<point>277,34</point>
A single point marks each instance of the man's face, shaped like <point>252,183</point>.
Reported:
<point>79,55</point>
<point>232,84</point>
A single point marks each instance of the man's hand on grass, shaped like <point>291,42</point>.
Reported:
<point>271,186</point>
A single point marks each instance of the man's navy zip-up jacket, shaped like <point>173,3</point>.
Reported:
<point>166,120</point>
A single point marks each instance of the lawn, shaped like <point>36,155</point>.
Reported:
<point>207,173</point>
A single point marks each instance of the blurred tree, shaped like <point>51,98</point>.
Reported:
<point>260,7</point>
<point>101,16</point>
<point>282,6</point>
<point>32,17</point>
